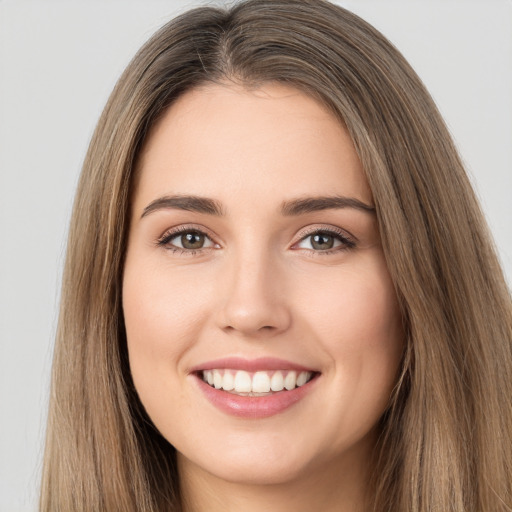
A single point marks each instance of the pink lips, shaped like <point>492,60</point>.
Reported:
<point>252,365</point>
<point>252,407</point>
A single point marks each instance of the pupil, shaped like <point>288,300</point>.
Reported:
<point>192,240</point>
<point>322,242</point>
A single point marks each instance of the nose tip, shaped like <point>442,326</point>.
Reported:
<point>254,304</point>
<point>266,321</point>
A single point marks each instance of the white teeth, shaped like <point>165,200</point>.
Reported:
<point>290,380</point>
<point>302,379</point>
<point>259,382</point>
<point>217,379</point>
<point>277,382</point>
<point>243,382</point>
<point>229,381</point>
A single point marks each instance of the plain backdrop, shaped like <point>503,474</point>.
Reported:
<point>59,61</point>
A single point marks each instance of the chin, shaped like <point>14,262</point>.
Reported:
<point>255,472</point>
<point>253,464</point>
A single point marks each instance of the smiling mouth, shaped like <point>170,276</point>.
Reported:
<point>259,383</point>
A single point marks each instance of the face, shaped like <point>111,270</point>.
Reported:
<point>264,336</point>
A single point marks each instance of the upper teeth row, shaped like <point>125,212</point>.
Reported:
<point>259,382</point>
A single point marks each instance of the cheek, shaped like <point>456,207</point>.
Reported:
<point>152,320</point>
<point>358,324</point>
<point>161,309</point>
<point>356,308</point>
<point>161,320</point>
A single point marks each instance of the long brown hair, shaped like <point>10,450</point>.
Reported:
<point>446,438</point>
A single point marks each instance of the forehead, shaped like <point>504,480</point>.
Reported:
<point>219,140</point>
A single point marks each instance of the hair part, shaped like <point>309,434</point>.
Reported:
<point>445,438</point>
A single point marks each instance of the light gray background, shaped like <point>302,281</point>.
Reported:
<point>58,62</point>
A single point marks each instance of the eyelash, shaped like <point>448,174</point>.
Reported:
<point>165,239</point>
<point>347,241</point>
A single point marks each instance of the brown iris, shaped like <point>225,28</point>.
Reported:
<point>322,241</point>
<point>192,240</point>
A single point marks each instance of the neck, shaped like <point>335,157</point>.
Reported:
<point>340,487</point>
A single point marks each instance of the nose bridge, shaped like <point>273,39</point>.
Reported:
<point>253,298</point>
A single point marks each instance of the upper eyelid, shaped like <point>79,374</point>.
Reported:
<point>184,228</point>
<point>319,228</point>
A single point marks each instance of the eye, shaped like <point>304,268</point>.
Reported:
<point>186,240</point>
<point>325,241</point>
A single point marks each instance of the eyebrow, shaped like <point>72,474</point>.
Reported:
<point>188,203</point>
<point>315,204</point>
<point>288,208</point>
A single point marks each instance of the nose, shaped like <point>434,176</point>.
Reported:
<point>253,301</point>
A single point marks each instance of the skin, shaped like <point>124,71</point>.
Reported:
<point>259,288</point>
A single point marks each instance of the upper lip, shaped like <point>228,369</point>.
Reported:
<point>251,365</point>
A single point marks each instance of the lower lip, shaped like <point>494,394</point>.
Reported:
<point>254,406</point>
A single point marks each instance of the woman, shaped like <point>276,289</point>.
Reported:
<point>280,292</point>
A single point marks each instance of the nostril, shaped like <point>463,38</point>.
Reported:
<point>249,330</point>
